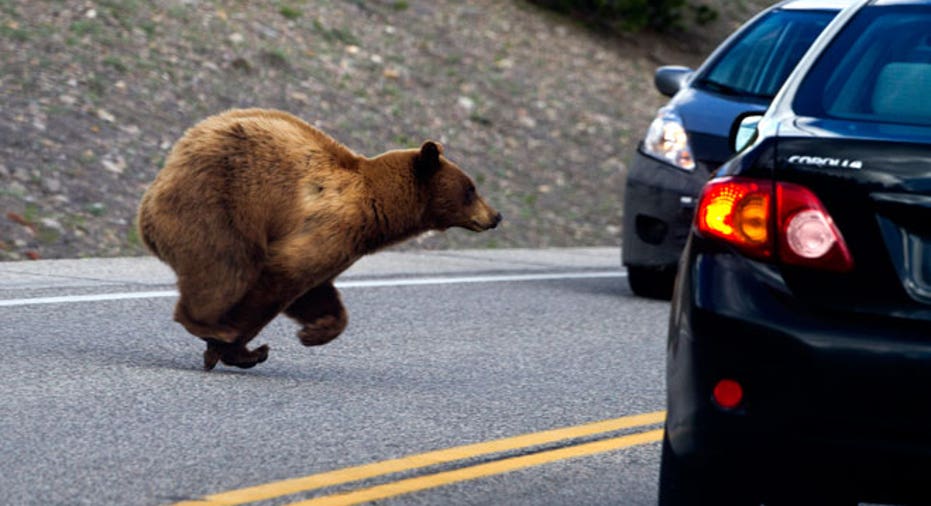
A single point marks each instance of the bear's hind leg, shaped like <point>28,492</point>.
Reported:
<point>321,313</point>
<point>206,296</point>
<point>201,329</point>
<point>235,354</point>
<point>259,306</point>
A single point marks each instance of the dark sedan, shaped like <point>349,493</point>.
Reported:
<point>688,139</point>
<point>799,347</point>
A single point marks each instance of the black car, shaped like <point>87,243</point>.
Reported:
<point>799,346</point>
<point>688,139</point>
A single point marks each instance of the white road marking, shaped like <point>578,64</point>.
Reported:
<point>373,283</point>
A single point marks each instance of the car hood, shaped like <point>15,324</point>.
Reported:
<point>708,118</point>
<point>711,113</point>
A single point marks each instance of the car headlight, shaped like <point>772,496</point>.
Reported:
<point>666,139</point>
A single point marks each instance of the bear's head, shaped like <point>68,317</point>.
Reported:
<point>452,200</point>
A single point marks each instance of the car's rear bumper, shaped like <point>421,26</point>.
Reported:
<point>659,201</point>
<point>825,394</point>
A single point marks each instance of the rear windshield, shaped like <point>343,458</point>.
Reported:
<point>761,59</point>
<point>878,69</point>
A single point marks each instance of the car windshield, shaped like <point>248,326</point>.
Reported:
<point>759,62</point>
<point>878,69</point>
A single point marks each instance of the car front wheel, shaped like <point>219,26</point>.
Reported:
<point>651,282</point>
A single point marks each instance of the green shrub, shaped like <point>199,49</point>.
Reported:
<point>290,12</point>
<point>634,15</point>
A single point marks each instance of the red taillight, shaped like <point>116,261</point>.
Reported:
<point>808,235</point>
<point>728,393</point>
<point>743,212</point>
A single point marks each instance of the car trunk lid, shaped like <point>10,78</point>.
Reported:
<point>879,195</point>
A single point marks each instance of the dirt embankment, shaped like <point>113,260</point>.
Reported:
<point>542,111</point>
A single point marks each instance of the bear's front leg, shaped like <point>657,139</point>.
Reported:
<point>321,313</point>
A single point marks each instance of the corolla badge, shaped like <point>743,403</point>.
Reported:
<point>826,161</point>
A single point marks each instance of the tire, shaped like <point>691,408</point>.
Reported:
<point>651,282</point>
<point>677,486</point>
<point>681,484</point>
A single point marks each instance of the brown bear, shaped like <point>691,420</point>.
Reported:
<point>257,212</point>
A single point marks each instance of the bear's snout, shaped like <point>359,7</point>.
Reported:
<point>495,220</point>
<point>486,220</point>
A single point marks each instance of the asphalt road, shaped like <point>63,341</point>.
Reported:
<point>449,356</point>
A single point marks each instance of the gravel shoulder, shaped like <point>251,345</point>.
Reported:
<point>542,111</point>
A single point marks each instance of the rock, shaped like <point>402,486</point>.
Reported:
<point>4,172</point>
<point>116,166</point>
<point>106,116</point>
<point>266,32</point>
<point>17,188</point>
<point>97,208</point>
<point>466,103</point>
<point>300,97</point>
<point>21,174</point>
<point>52,224</point>
<point>526,120</point>
<point>18,219</point>
<point>51,185</point>
<point>131,130</point>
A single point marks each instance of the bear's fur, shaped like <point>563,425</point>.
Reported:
<point>257,212</point>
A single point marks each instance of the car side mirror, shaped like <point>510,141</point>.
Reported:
<point>744,130</point>
<point>670,79</point>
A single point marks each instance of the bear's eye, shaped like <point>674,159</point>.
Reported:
<point>470,194</point>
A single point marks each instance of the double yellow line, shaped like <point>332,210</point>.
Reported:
<point>432,458</point>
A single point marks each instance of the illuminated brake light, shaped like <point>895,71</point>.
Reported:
<point>742,212</point>
<point>752,218</point>
<point>738,211</point>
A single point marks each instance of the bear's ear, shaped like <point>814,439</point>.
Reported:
<point>427,162</point>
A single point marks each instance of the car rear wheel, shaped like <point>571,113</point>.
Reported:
<point>651,282</point>
<point>681,484</point>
